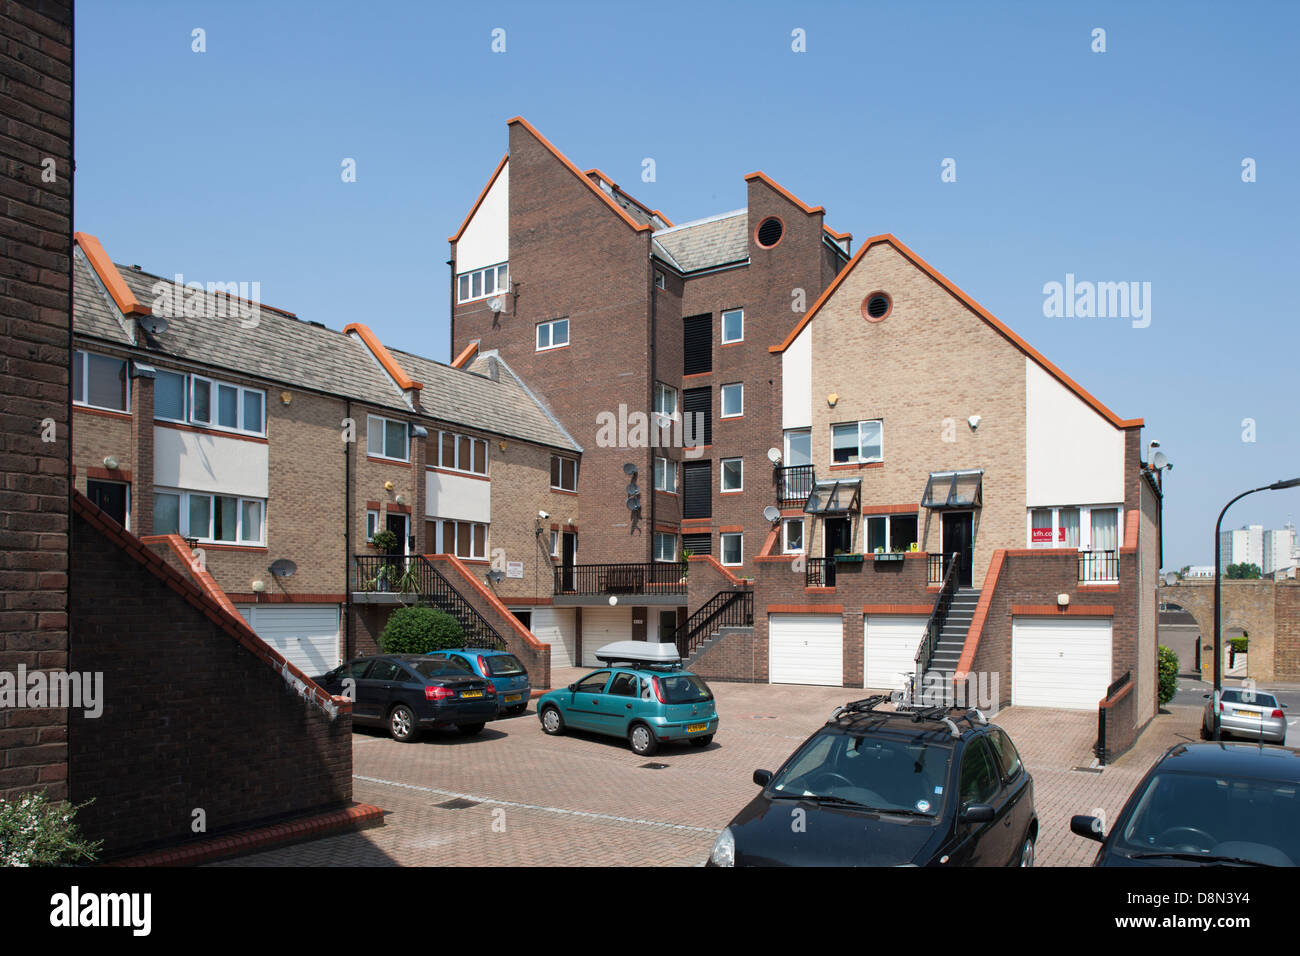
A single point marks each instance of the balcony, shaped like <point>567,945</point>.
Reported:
<point>793,485</point>
<point>1098,567</point>
<point>657,582</point>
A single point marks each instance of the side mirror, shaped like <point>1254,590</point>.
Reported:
<point>573,687</point>
<point>977,813</point>
<point>762,777</point>
<point>1089,828</point>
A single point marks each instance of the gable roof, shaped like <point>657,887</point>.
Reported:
<point>951,287</point>
<point>481,196</point>
<point>564,160</point>
<point>765,178</point>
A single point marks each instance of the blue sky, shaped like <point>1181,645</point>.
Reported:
<point>1117,166</point>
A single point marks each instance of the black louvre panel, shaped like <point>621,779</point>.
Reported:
<point>698,543</point>
<point>697,344</point>
<point>697,425</point>
<point>697,489</point>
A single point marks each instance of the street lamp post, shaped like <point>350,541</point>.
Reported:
<point>1218,592</point>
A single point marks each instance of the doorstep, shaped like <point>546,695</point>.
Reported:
<point>358,816</point>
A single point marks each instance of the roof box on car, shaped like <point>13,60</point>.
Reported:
<point>639,652</point>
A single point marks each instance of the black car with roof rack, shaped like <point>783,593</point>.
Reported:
<point>909,786</point>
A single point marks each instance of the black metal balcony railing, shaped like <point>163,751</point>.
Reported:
<point>656,577</point>
<point>415,575</point>
<point>794,483</point>
<point>936,567</point>
<point>819,573</point>
<point>734,608</point>
<point>1095,566</point>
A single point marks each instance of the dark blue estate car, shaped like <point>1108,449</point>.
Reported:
<point>1210,804</point>
<point>503,669</point>
<point>408,693</point>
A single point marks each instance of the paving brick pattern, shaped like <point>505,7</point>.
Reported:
<point>584,800</point>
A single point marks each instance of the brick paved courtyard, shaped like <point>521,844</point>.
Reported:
<point>514,797</point>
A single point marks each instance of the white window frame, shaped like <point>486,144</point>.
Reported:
<point>673,551</point>
<point>441,543</point>
<point>786,525</point>
<point>372,523</point>
<point>859,459</point>
<point>1085,526</point>
<point>666,475</point>
<point>561,486</point>
<point>555,544</point>
<point>722,548</point>
<point>455,463</point>
<point>722,475</point>
<point>662,392</point>
<point>550,334</point>
<point>739,338</point>
<point>383,430</point>
<point>889,529</point>
<point>183,517</point>
<point>722,400</point>
<point>495,281</point>
<point>81,356</point>
<point>213,388</point>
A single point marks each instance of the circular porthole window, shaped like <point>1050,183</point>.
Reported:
<point>769,232</point>
<point>876,306</point>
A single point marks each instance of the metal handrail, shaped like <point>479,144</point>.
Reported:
<point>794,483</point>
<point>1098,566</point>
<point>416,575</point>
<point>934,624</point>
<point>655,577</point>
<point>819,573</point>
<point>719,611</point>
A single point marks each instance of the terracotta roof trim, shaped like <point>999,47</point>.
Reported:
<point>957,293</point>
<point>99,260</point>
<point>377,349</point>
<point>773,184</point>
<point>466,354</point>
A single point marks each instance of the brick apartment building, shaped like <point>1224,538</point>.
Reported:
<point>274,445</point>
<point>852,419</point>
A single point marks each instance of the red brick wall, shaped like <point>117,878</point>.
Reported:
<point>1286,633</point>
<point>191,718</point>
<point>35,300</point>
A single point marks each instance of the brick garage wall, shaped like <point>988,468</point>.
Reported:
<point>734,657</point>
<point>191,718</point>
<point>35,283</point>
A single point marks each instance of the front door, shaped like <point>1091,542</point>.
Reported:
<point>839,536</point>
<point>396,523</point>
<point>109,497</point>
<point>959,539</point>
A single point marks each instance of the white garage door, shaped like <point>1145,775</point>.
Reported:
<point>891,643</point>
<point>1060,662</point>
<point>306,634</point>
<point>601,626</point>
<point>555,626</point>
<point>805,649</point>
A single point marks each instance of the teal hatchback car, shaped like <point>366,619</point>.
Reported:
<point>642,695</point>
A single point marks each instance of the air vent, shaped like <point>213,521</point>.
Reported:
<point>876,306</point>
<point>769,232</point>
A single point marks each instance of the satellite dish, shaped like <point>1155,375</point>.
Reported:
<point>153,324</point>
<point>1159,460</point>
<point>495,576</point>
<point>629,469</point>
<point>662,420</point>
<point>774,455</point>
<point>632,489</point>
<point>634,503</point>
<point>282,568</point>
<point>771,513</point>
<point>497,304</point>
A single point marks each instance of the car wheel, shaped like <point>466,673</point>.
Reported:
<point>642,741</point>
<point>519,710</point>
<point>401,724</point>
<point>469,730</point>
<point>552,722</point>
<point>1027,852</point>
<point>702,741</point>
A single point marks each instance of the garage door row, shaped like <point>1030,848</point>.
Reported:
<point>1055,662</point>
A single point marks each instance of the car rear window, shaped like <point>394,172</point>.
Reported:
<point>434,667</point>
<point>1245,697</point>
<point>684,689</point>
<point>504,665</point>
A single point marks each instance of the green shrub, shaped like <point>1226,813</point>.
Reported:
<point>1238,644</point>
<point>1168,667</point>
<point>419,630</point>
<point>36,832</point>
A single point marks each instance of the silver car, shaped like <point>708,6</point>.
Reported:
<point>1245,713</point>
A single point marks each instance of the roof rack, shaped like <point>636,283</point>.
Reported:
<point>912,712</point>
<point>640,653</point>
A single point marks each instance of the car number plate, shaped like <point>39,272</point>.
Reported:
<point>696,728</point>
<point>511,698</point>
<point>1247,713</point>
<point>471,693</point>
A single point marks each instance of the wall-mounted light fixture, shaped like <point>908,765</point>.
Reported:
<point>259,586</point>
<point>388,486</point>
<point>285,398</point>
<point>973,422</point>
<point>400,500</point>
<point>832,399</point>
<point>1063,600</point>
<point>110,462</point>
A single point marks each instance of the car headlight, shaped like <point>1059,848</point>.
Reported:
<point>724,849</point>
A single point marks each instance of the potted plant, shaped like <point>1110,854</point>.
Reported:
<point>686,567</point>
<point>842,557</point>
<point>384,541</point>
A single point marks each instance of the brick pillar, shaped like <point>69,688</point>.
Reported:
<point>142,448</point>
<point>419,459</point>
<point>35,373</point>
